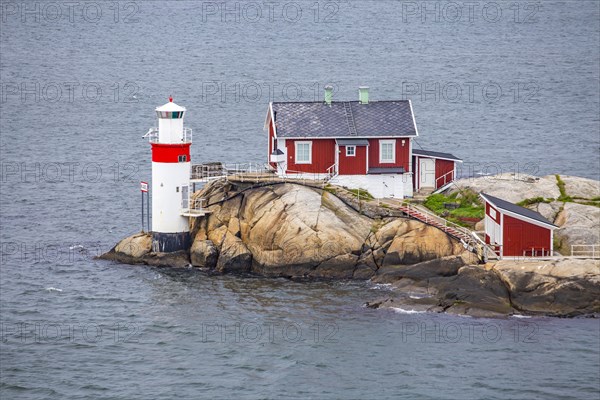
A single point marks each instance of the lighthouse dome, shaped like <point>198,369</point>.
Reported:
<point>170,111</point>
<point>170,106</point>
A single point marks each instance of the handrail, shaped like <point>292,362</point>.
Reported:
<point>152,135</point>
<point>445,181</point>
<point>594,249</point>
<point>466,235</point>
<point>535,250</point>
<point>257,171</point>
<point>193,204</point>
<point>438,219</point>
<point>331,172</point>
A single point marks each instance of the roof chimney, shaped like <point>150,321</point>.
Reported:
<point>363,94</point>
<point>328,94</point>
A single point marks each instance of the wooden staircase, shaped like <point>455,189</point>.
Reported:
<point>450,228</point>
<point>468,238</point>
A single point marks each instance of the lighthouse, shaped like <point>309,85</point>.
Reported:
<point>170,143</point>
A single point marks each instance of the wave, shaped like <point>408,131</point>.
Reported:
<point>403,311</point>
<point>378,286</point>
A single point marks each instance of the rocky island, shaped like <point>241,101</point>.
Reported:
<point>292,230</point>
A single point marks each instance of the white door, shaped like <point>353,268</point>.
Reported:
<point>184,198</point>
<point>427,172</point>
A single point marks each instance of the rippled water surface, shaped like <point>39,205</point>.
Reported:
<point>75,327</point>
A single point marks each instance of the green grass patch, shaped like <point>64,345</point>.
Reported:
<point>534,200</point>
<point>330,189</point>
<point>560,247</point>
<point>588,203</point>
<point>564,197</point>
<point>585,198</point>
<point>459,222</point>
<point>469,206</point>
<point>435,202</point>
<point>468,212</point>
<point>362,194</point>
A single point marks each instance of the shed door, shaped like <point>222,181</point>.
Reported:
<point>427,172</point>
<point>492,229</point>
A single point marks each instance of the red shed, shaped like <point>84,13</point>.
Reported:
<point>516,231</point>
<point>433,169</point>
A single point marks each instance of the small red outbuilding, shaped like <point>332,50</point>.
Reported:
<point>516,231</point>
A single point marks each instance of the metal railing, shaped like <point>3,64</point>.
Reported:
<point>445,179</point>
<point>537,252</point>
<point>219,170</point>
<point>207,171</point>
<point>193,205</point>
<point>331,172</point>
<point>304,177</point>
<point>469,238</point>
<point>585,250</point>
<point>430,217</point>
<point>187,135</point>
<point>152,135</point>
<point>256,172</point>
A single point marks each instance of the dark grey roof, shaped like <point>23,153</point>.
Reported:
<point>317,119</point>
<point>391,170</point>
<point>352,142</point>
<point>435,154</point>
<point>277,152</point>
<point>508,206</point>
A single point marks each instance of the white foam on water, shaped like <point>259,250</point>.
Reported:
<point>419,296</point>
<point>378,286</point>
<point>520,316</point>
<point>403,311</point>
<point>53,289</point>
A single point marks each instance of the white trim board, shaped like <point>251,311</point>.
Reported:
<point>393,143</point>
<point>296,143</point>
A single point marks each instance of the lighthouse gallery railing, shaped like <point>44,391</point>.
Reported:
<point>152,135</point>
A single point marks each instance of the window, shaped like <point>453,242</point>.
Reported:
<point>350,151</point>
<point>170,114</point>
<point>387,151</point>
<point>182,158</point>
<point>492,213</point>
<point>303,152</point>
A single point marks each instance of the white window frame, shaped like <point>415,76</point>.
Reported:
<point>296,144</point>
<point>492,213</point>
<point>353,151</point>
<point>393,159</point>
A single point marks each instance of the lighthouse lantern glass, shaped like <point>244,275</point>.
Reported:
<point>170,123</point>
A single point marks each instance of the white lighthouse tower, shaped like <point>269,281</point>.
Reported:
<point>170,179</point>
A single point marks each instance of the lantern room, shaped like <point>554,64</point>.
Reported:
<point>170,124</point>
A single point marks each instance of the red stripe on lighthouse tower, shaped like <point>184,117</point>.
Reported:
<point>170,153</point>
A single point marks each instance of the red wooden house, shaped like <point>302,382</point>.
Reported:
<point>515,231</point>
<point>357,144</point>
